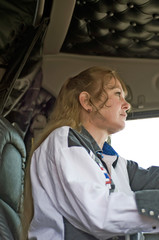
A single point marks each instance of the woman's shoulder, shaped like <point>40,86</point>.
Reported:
<point>58,134</point>
<point>61,130</point>
<point>55,136</point>
<point>61,138</point>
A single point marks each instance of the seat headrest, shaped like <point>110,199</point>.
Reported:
<point>12,163</point>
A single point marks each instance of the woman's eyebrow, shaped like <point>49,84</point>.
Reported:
<point>117,88</point>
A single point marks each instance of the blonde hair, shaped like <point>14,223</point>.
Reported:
<point>67,113</point>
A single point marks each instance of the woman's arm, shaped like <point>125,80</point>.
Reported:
<point>142,179</point>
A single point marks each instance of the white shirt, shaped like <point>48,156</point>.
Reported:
<point>67,182</point>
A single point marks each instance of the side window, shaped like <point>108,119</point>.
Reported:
<point>139,141</point>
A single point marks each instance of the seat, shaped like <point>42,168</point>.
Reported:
<point>12,164</point>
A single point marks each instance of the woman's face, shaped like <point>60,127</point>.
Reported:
<point>111,117</point>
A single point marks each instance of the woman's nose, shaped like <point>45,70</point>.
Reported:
<point>126,105</point>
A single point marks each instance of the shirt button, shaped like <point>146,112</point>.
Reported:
<point>143,210</point>
<point>151,213</point>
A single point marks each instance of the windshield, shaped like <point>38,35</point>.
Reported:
<point>139,141</point>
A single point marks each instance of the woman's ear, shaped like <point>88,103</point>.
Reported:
<point>84,98</point>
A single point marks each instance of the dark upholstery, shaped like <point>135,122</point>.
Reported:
<point>12,163</point>
<point>117,28</point>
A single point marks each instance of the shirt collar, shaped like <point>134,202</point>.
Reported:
<point>89,137</point>
<point>107,149</point>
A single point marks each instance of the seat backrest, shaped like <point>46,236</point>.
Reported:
<point>12,164</point>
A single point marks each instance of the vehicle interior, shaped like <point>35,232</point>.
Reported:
<point>42,43</point>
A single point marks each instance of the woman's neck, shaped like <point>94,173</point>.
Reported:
<point>99,135</point>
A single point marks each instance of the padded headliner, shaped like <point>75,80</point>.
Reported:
<point>117,28</point>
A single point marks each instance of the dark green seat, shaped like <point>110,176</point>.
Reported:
<point>12,163</point>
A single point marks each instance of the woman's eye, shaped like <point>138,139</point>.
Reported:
<point>118,93</point>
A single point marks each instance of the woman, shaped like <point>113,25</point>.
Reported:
<point>81,188</point>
